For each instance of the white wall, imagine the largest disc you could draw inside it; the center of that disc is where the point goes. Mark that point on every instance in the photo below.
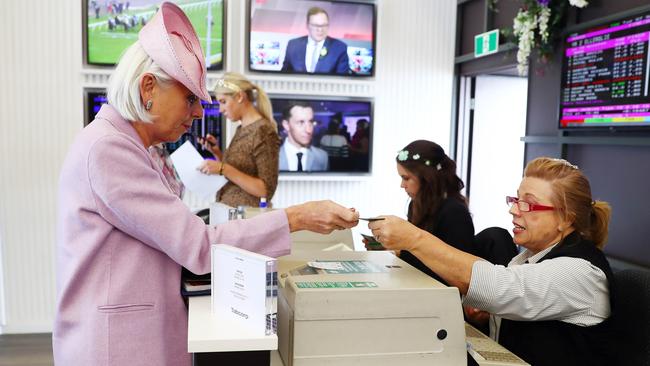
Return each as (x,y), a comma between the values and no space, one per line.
(41,110)
(42,78)
(497,153)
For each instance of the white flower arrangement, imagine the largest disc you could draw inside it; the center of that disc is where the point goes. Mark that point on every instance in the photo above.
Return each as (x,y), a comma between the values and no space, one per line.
(542,23)
(524,29)
(578,3)
(536,25)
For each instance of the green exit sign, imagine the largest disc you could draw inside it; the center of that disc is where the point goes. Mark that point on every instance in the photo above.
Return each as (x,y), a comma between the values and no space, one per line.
(486,43)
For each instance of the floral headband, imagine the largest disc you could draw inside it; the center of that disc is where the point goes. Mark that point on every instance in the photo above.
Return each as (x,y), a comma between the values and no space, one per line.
(403,155)
(221,83)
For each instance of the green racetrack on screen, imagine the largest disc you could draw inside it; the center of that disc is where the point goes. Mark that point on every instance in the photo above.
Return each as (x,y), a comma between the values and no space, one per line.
(112,26)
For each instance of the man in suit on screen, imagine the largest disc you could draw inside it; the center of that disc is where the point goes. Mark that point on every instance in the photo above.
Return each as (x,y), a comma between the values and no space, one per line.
(297,153)
(316,52)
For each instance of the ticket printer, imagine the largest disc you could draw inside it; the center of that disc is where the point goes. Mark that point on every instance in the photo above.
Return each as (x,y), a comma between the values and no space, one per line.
(365,308)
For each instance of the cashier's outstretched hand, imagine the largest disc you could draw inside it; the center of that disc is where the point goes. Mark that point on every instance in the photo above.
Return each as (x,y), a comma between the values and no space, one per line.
(395,233)
(321,217)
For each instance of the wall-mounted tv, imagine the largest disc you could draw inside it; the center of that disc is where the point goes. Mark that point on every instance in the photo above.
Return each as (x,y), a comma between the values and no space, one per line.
(212,122)
(605,71)
(112,26)
(312,37)
(94,98)
(324,135)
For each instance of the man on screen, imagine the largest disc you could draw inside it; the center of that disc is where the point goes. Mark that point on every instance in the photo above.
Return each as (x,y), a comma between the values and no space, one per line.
(316,53)
(296,153)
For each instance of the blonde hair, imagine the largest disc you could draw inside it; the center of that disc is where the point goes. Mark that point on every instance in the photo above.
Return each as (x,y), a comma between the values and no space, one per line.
(232,83)
(123,91)
(572,194)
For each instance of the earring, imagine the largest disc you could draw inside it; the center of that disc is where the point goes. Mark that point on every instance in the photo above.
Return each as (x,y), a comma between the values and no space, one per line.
(148,105)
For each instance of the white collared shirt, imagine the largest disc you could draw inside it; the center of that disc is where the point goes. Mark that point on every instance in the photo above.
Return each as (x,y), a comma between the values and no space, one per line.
(571,290)
(290,152)
(309,52)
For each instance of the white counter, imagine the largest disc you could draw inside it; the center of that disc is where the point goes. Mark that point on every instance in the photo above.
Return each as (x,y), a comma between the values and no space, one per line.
(207,332)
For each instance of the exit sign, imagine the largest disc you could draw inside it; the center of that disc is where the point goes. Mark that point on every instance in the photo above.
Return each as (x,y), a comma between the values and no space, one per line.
(486,43)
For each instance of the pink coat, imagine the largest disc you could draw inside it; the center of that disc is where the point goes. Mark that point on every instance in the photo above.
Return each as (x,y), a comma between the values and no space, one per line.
(122,237)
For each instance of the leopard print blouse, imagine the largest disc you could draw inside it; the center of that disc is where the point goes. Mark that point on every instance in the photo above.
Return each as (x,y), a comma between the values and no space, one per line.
(254,150)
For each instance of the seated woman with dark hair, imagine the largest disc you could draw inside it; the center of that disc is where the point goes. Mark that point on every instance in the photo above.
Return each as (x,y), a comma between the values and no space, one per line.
(437,206)
(551,304)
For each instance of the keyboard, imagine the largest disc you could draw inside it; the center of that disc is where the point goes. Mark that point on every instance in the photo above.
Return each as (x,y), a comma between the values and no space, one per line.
(487,352)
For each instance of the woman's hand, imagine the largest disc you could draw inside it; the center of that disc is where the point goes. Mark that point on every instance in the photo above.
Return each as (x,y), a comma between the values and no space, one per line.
(211,167)
(321,217)
(394,233)
(211,144)
(453,265)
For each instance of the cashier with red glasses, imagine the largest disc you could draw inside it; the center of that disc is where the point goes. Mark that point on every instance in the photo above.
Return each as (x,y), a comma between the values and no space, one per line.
(551,304)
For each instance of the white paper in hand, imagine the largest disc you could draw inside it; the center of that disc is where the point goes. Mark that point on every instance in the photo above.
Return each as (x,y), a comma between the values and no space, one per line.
(186,161)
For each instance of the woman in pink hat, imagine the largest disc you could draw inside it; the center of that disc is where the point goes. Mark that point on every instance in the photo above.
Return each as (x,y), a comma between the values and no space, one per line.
(123,234)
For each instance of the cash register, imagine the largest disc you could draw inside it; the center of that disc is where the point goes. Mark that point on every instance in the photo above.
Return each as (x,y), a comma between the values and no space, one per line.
(365,308)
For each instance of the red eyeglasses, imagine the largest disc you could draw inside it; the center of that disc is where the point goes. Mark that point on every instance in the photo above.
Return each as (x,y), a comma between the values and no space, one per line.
(526,206)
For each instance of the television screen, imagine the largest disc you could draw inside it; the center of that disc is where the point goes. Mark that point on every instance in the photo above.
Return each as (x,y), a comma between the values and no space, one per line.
(94,100)
(605,72)
(211,123)
(324,135)
(307,36)
(112,26)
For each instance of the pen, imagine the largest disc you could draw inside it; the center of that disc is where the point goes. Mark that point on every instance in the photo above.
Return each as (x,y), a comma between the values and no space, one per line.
(195,138)
(208,141)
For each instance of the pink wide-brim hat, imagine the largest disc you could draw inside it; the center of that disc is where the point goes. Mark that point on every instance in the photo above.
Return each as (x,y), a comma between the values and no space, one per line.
(171,41)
